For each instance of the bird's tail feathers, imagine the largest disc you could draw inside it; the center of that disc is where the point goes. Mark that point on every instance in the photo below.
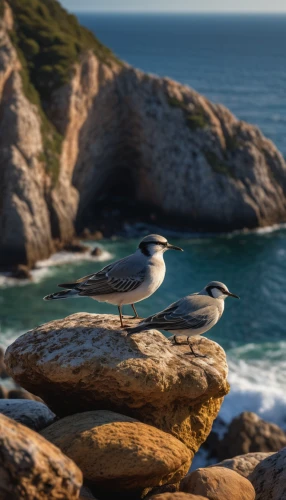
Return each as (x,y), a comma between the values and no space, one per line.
(69,286)
(137,329)
(65,294)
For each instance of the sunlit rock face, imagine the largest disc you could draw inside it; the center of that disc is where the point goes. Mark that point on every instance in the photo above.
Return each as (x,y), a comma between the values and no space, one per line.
(124,134)
(85,362)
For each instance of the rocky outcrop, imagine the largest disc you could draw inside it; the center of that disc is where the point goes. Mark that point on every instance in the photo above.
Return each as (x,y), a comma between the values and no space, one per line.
(217,483)
(86,362)
(244,464)
(117,453)
(33,414)
(33,468)
(123,132)
(250,433)
(269,477)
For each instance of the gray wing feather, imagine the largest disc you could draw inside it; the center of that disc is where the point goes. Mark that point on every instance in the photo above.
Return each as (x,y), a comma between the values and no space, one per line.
(192,312)
(124,275)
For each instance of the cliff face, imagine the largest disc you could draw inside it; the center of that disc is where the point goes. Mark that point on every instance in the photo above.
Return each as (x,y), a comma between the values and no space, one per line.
(161,143)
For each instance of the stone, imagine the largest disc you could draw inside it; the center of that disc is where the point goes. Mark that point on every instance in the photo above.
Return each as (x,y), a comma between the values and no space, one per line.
(86,362)
(22,272)
(33,414)
(96,252)
(118,453)
(177,496)
(76,246)
(249,433)
(218,483)
(244,464)
(33,468)
(269,477)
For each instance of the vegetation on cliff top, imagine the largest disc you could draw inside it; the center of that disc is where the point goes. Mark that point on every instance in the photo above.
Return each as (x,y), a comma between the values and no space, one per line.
(49,41)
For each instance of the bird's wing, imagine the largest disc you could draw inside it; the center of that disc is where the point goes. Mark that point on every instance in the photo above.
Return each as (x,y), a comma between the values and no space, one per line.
(124,275)
(186,314)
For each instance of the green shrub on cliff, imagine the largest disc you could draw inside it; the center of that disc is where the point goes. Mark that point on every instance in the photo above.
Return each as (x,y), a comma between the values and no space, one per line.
(195,119)
(49,41)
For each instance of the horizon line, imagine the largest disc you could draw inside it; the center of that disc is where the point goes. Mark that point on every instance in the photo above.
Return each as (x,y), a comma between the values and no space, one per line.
(202,12)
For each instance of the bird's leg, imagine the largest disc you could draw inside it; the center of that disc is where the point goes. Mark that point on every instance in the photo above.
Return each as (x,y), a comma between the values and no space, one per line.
(193,352)
(174,339)
(135,312)
(120,315)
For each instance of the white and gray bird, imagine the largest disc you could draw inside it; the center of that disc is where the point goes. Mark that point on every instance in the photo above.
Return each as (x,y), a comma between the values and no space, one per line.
(192,315)
(126,281)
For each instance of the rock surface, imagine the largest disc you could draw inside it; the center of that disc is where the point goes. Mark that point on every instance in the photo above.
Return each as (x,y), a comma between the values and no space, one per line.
(33,414)
(269,477)
(217,483)
(249,433)
(244,464)
(117,453)
(33,468)
(183,155)
(177,496)
(86,362)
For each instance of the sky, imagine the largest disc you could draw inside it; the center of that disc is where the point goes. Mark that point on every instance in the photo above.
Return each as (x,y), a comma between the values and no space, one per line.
(176,6)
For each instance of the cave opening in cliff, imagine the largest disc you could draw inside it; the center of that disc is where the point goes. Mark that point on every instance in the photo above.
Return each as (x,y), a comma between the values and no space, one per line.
(113,202)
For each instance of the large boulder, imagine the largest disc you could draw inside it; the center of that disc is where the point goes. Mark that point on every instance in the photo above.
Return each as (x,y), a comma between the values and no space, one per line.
(117,453)
(33,414)
(217,483)
(244,464)
(269,477)
(33,468)
(86,362)
(249,433)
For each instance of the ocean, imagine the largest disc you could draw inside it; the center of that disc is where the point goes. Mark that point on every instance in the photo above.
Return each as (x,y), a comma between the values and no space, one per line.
(240,62)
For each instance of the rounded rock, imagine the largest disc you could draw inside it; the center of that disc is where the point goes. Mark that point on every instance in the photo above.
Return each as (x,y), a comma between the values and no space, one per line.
(269,477)
(217,483)
(118,453)
(244,464)
(249,433)
(31,467)
(33,414)
(86,362)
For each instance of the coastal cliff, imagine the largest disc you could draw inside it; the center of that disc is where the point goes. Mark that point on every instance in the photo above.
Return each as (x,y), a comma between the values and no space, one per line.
(79,126)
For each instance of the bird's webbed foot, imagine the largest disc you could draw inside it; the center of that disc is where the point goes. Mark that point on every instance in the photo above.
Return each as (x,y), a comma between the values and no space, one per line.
(193,353)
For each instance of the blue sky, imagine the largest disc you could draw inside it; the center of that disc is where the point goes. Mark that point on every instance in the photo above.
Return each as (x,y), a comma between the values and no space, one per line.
(176,6)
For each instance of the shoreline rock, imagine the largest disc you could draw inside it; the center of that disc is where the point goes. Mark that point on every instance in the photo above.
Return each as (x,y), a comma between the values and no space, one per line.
(118,453)
(33,468)
(32,414)
(218,483)
(85,362)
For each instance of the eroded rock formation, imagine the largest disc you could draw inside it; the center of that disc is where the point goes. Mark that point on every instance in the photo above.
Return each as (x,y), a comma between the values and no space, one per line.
(128,133)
